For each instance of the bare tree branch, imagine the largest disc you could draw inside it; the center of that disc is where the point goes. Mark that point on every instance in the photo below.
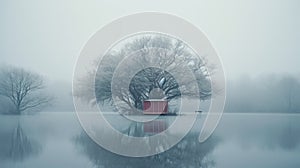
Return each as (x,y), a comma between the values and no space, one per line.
(23,89)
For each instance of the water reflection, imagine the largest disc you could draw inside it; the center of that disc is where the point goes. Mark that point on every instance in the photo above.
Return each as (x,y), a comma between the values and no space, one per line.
(240,140)
(187,153)
(155,126)
(266,131)
(141,129)
(258,140)
(15,145)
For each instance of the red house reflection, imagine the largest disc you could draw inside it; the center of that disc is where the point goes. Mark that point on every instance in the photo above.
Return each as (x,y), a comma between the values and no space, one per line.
(155,126)
(155,106)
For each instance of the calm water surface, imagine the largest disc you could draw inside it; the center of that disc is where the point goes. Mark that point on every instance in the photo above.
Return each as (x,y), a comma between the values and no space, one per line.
(240,140)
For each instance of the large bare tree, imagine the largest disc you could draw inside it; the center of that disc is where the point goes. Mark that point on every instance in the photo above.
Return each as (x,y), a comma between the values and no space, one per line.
(23,88)
(171,55)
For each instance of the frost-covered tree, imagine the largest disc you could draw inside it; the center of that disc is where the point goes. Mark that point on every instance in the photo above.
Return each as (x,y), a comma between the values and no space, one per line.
(165,55)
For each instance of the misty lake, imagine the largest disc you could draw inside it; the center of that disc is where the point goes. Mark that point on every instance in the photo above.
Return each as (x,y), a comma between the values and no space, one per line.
(240,140)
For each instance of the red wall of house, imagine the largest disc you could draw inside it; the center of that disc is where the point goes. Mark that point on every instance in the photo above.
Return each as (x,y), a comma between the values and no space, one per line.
(155,107)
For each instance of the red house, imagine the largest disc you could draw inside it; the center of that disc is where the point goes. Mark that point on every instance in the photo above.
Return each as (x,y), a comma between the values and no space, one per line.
(155,106)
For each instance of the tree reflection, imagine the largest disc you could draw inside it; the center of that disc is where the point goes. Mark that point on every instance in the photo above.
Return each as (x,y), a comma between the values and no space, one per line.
(17,146)
(187,153)
(269,131)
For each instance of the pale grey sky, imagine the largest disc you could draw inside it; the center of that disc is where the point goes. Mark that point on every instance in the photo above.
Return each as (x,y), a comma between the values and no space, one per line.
(251,36)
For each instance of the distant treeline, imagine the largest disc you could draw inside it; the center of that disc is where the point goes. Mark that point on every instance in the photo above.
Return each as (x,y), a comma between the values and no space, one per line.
(268,93)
